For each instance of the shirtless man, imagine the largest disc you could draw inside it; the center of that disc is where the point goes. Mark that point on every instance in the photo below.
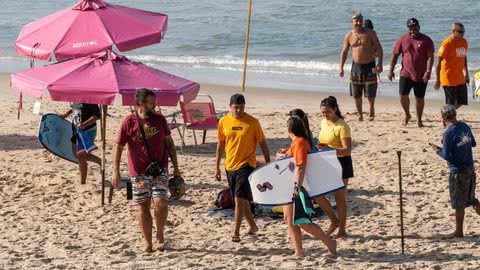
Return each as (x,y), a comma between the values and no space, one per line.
(363,76)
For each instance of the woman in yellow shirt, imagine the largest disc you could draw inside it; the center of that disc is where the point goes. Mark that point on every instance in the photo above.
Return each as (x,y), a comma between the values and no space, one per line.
(335,133)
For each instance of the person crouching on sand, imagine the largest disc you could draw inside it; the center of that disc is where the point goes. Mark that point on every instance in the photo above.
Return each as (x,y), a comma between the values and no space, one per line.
(458,141)
(299,150)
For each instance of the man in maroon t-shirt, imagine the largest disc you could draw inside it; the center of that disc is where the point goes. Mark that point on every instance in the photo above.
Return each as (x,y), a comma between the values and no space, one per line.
(417,60)
(161,147)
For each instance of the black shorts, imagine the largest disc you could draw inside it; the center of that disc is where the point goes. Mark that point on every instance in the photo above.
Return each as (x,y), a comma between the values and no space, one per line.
(456,95)
(347,167)
(238,182)
(406,85)
(363,80)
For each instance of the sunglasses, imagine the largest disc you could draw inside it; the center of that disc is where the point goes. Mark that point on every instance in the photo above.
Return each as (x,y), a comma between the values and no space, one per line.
(263,187)
(458,31)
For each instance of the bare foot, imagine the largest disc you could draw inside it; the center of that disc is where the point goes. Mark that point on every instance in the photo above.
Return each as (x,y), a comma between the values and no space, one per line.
(341,234)
(148,249)
(453,235)
(332,228)
(253,231)
(300,254)
(476,206)
(371,115)
(333,248)
(161,246)
(360,118)
(420,124)
(236,238)
(407,118)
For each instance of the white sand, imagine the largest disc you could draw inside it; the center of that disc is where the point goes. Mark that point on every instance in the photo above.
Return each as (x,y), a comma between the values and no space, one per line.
(48,220)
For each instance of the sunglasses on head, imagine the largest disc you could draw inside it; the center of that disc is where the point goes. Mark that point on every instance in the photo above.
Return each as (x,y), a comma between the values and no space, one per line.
(458,31)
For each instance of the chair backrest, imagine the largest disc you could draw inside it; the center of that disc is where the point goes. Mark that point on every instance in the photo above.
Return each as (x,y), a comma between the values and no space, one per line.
(198,112)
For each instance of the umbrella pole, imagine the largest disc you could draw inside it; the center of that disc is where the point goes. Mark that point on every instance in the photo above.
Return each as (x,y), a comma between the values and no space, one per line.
(247,36)
(103,133)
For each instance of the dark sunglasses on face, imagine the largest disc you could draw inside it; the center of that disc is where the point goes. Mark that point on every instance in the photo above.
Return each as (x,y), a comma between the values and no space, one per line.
(458,31)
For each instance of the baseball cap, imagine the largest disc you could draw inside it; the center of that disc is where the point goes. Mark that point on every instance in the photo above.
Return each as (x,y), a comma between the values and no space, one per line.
(357,16)
(237,99)
(412,22)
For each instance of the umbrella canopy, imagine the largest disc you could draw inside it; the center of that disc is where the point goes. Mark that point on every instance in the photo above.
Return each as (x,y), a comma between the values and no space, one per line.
(88,27)
(98,78)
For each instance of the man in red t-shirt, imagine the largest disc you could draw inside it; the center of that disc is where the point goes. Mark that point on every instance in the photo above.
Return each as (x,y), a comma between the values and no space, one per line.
(161,146)
(417,60)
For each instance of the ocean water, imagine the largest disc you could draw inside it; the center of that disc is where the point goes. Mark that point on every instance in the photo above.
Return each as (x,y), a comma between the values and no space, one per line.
(293,44)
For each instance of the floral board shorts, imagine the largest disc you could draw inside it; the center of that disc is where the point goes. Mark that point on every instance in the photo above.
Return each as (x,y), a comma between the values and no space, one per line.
(145,188)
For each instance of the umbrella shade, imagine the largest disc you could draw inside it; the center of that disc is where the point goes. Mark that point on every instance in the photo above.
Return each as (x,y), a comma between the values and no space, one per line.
(88,27)
(98,78)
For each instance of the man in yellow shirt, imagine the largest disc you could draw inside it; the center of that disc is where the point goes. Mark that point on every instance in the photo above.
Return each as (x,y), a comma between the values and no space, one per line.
(452,68)
(238,134)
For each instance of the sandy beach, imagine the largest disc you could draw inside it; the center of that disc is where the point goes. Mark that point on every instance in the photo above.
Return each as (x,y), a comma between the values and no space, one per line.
(49,221)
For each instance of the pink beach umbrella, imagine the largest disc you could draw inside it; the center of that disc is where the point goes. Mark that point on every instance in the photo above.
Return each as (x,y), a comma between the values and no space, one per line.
(98,78)
(88,27)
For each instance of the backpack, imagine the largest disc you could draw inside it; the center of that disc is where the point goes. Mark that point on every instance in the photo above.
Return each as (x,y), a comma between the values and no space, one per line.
(224,199)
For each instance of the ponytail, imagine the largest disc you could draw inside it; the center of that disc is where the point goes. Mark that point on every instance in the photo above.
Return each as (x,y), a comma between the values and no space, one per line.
(331,102)
(295,126)
(304,117)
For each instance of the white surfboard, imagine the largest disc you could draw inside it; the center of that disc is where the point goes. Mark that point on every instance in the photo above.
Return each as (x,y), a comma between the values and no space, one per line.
(273,184)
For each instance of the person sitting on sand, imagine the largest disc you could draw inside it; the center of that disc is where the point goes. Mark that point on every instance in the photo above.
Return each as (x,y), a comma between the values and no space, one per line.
(335,133)
(457,146)
(238,134)
(363,75)
(299,149)
(417,61)
(152,146)
(84,128)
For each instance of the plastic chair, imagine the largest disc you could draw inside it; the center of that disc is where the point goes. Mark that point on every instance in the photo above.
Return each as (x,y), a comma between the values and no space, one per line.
(199,116)
(173,124)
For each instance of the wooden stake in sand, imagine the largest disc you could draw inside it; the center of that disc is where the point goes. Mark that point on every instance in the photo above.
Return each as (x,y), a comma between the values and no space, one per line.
(247,36)
(103,124)
(399,154)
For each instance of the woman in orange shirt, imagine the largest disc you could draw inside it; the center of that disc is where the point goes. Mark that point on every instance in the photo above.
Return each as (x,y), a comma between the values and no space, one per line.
(299,150)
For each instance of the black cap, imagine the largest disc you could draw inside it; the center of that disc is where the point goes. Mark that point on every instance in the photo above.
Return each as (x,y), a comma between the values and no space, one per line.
(412,22)
(237,99)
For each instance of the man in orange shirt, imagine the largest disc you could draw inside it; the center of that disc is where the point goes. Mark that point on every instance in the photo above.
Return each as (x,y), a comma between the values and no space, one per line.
(238,134)
(452,68)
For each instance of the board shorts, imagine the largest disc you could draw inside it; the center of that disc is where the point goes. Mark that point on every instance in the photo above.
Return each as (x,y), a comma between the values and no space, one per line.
(363,80)
(145,188)
(239,184)
(84,139)
(456,95)
(406,85)
(347,167)
(461,185)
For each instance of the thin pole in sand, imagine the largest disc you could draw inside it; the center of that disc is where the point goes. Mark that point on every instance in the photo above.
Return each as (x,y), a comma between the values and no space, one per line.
(399,154)
(247,36)
(103,124)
